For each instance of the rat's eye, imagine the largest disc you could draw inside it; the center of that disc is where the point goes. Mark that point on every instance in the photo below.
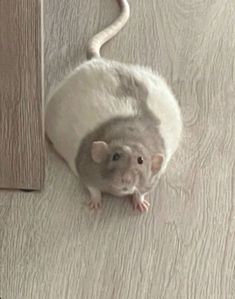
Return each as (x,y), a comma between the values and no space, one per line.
(116,157)
(140,160)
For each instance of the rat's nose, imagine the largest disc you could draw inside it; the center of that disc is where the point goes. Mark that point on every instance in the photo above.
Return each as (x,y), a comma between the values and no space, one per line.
(126,179)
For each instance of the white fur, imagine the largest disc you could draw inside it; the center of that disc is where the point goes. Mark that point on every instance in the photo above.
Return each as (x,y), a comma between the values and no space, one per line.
(80,104)
(97,41)
(86,99)
(163,103)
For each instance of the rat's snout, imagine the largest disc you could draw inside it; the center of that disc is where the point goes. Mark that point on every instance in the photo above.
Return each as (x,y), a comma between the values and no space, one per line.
(127,179)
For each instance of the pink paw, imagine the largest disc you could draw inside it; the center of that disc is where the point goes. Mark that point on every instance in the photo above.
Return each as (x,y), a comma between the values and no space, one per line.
(95,204)
(141,206)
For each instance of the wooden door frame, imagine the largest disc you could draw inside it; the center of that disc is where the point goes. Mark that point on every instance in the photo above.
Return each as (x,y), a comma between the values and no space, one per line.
(22,141)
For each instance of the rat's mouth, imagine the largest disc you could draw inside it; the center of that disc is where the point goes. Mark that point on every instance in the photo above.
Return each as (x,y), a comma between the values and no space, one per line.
(129,190)
(122,190)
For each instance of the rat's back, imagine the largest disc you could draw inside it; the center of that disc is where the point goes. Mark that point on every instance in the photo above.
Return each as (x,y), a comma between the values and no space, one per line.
(101,90)
(82,102)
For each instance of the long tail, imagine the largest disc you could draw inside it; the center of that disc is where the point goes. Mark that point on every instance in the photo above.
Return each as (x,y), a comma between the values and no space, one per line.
(97,41)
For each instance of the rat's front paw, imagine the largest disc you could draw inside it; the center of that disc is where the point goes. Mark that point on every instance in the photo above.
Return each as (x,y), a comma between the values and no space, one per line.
(94,204)
(141,205)
(95,201)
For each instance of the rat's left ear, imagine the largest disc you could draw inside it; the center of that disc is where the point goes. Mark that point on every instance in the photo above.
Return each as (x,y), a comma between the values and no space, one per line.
(99,151)
(157,162)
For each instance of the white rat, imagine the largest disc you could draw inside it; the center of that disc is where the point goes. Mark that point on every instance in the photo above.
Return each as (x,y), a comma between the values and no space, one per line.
(116,125)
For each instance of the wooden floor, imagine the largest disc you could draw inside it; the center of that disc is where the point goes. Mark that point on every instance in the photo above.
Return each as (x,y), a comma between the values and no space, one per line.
(52,247)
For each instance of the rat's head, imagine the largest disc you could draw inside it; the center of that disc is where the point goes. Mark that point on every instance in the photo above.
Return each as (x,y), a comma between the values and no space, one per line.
(124,168)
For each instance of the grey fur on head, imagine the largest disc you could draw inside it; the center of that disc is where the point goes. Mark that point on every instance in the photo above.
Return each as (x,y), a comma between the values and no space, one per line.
(132,139)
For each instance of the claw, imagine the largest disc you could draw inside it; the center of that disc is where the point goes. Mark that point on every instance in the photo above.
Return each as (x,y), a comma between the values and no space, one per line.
(95,201)
(95,205)
(144,206)
(141,206)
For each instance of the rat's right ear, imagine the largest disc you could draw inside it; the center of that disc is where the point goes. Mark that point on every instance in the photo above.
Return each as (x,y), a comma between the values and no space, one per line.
(99,151)
(157,161)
